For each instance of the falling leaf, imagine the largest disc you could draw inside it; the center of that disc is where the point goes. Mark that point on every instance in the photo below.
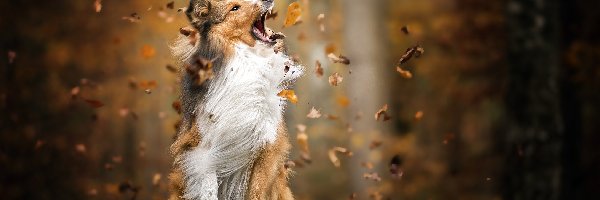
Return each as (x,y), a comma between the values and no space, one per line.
(353,196)
(148,51)
(374,144)
(148,91)
(11,57)
(321,21)
(313,113)
(92,192)
(395,164)
(367,165)
(290,95)
(94,103)
(376,195)
(343,101)
(301,128)
(39,144)
(410,52)
(418,115)
(80,148)
(335,79)
(117,159)
(404,29)
(333,157)
(294,14)
(176,105)
(171,5)
(75,92)
(318,69)
(382,114)
(133,18)
(289,164)
(98,5)
(330,48)
(332,117)
(404,73)
(372,176)
(338,59)
(145,84)
(302,139)
(272,15)
(201,70)
(156,179)
(171,68)
(123,112)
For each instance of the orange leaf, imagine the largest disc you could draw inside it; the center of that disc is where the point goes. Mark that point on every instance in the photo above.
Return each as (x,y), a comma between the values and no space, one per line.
(148,51)
(294,13)
(290,95)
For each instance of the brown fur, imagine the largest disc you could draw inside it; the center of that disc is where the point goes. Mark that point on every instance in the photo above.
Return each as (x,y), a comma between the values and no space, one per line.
(217,31)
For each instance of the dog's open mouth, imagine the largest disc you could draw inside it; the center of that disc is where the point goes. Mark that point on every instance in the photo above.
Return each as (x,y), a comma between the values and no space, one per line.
(260,30)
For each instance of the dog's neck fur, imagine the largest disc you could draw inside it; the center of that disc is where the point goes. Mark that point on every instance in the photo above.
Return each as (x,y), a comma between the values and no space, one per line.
(237,114)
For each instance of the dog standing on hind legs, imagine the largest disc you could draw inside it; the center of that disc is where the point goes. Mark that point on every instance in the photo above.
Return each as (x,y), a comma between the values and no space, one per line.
(232,142)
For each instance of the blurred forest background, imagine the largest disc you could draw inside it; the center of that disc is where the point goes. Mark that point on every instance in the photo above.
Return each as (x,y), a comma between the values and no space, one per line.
(503,103)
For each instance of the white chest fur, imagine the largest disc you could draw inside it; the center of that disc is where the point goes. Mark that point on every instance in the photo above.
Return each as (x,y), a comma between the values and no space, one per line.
(239,115)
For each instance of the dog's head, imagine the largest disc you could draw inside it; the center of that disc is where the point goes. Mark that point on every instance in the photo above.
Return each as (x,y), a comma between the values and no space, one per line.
(231,20)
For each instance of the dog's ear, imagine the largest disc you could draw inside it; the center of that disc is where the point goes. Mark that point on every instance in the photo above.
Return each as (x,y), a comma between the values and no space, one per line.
(205,12)
(197,12)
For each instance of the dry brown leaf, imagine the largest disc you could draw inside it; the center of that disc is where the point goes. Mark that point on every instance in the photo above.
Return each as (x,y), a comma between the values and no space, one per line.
(404,73)
(330,48)
(382,114)
(374,144)
(418,115)
(416,51)
(318,69)
(94,103)
(335,79)
(39,144)
(176,105)
(98,5)
(171,5)
(321,21)
(156,179)
(343,101)
(11,57)
(294,14)
(80,148)
(147,84)
(332,117)
(301,128)
(367,165)
(290,95)
(75,92)
(333,157)
(338,59)
(148,51)
(302,140)
(404,29)
(190,33)
(171,68)
(133,18)
(201,70)
(395,164)
(372,176)
(313,113)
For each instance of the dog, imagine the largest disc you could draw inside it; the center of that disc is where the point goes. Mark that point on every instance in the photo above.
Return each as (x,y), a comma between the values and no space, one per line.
(232,142)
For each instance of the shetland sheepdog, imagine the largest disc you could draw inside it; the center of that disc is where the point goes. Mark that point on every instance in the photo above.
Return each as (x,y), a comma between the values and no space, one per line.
(232,142)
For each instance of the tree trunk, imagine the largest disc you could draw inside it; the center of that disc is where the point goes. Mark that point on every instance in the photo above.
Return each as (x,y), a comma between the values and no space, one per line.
(535,131)
(365,85)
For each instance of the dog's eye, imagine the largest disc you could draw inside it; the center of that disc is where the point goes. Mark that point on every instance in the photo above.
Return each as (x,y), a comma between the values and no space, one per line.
(236,7)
